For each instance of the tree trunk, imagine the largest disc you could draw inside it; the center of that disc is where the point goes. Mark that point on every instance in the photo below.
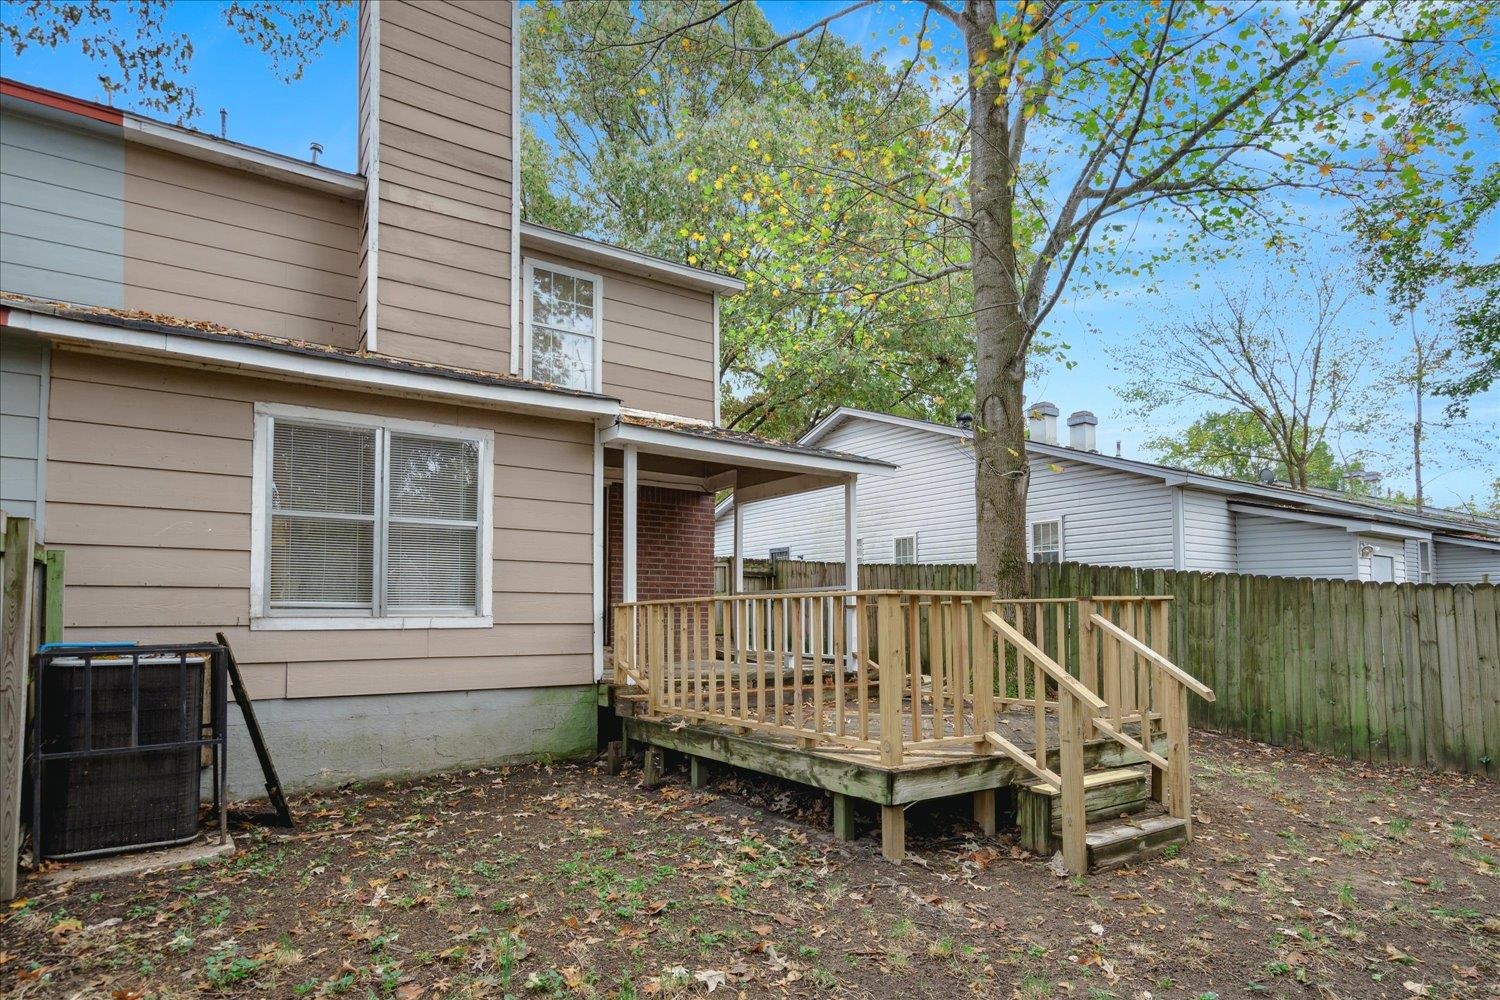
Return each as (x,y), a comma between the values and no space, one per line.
(1001,472)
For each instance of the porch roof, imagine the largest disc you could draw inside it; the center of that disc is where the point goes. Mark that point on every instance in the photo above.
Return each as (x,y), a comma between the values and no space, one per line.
(658,434)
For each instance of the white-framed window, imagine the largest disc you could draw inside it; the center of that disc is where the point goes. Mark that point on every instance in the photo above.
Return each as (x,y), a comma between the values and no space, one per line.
(780,553)
(1046,541)
(564,326)
(369,522)
(1424,561)
(905,547)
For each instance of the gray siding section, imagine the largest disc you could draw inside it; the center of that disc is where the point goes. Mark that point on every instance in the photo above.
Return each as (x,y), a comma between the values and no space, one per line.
(1208,533)
(24,364)
(1268,546)
(1466,564)
(1109,518)
(61,212)
(1396,548)
(931,496)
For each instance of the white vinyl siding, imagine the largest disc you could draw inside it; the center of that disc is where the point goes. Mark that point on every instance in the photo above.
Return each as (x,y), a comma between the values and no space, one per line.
(932,492)
(1111,518)
(1207,533)
(1388,548)
(1466,563)
(24,365)
(1274,547)
(371,521)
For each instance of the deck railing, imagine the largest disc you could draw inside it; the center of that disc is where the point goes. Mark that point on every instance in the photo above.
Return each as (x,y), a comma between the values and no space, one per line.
(899,674)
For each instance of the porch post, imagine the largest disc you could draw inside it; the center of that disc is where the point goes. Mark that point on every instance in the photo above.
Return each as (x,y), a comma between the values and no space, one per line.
(737,585)
(851,568)
(631,491)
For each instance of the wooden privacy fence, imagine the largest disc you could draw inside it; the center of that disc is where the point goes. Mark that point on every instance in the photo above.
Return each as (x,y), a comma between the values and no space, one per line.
(1408,673)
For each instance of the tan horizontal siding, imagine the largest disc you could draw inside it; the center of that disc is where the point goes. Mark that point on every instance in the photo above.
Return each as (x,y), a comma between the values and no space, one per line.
(658,342)
(150,495)
(446,182)
(202,242)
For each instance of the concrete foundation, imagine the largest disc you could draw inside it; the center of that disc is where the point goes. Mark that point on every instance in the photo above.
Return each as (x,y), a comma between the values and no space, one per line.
(322,742)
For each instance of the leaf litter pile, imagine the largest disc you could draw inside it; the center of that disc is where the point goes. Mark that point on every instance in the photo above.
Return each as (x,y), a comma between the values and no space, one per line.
(1308,877)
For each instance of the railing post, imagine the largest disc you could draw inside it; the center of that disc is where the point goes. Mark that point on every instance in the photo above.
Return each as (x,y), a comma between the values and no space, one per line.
(1070,794)
(1179,780)
(1088,660)
(892,675)
(981,647)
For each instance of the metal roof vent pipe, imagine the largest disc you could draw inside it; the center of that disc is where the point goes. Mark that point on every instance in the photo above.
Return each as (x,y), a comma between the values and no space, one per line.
(1081,427)
(316,148)
(1043,423)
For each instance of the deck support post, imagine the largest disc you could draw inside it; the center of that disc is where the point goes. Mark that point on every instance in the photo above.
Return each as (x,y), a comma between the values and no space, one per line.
(1070,802)
(652,768)
(843,817)
(1034,821)
(697,772)
(892,678)
(893,832)
(1179,780)
(614,757)
(984,810)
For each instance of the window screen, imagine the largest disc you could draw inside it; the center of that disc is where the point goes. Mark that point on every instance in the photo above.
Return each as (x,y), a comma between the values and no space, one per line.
(322,516)
(338,542)
(1046,541)
(563,328)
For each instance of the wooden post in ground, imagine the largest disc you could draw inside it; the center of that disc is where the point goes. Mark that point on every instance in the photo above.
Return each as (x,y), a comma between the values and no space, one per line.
(984,810)
(1179,779)
(892,678)
(843,817)
(893,832)
(1070,769)
(15,605)
(698,772)
(652,768)
(52,606)
(614,757)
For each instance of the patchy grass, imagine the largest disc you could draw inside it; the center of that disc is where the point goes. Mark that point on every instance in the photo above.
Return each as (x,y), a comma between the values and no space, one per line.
(1307,877)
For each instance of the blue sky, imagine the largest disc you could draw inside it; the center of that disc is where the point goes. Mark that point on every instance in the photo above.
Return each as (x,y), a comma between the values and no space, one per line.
(320,107)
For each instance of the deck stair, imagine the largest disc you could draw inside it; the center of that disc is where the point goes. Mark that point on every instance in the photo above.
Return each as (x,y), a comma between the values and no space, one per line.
(1116,834)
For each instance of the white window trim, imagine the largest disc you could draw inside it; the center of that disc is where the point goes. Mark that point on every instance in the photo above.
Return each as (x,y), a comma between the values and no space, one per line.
(1031,537)
(915,551)
(260,522)
(530,268)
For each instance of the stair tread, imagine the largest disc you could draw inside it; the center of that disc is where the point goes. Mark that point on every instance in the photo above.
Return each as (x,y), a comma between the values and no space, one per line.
(1117,833)
(1096,779)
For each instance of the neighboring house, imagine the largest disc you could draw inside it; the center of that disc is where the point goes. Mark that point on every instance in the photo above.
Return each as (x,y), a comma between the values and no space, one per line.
(1091,508)
(402,450)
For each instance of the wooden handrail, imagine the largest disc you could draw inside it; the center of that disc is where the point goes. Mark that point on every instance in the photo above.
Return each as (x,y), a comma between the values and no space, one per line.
(1171,669)
(1064,679)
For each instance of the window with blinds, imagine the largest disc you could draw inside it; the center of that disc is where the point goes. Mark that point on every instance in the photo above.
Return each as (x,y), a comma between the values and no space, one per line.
(562,321)
(373,521)
(905,549)
(1046,541)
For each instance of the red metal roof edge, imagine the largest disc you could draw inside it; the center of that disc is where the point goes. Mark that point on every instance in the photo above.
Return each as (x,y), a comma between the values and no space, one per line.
(61,102)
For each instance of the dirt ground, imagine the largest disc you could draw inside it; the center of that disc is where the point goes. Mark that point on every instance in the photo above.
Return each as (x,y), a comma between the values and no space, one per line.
(1308,877)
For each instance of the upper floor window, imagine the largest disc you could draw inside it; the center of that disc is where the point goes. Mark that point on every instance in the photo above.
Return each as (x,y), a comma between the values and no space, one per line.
(1046,541)
(564,313)
(366,522)
(906,549)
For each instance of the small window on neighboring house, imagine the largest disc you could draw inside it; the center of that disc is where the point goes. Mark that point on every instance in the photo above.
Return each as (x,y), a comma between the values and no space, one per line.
(372,519)
(1046,541)
(563,316)
(779,554)
(859,550)
(906,549)
(1424,561)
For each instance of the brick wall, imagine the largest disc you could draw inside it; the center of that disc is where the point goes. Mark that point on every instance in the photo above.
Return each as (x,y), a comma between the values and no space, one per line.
(674,544)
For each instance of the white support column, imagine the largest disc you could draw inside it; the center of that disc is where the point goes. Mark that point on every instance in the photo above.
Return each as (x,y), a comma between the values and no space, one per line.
(851,566)
(600,583)
(738,583)
(630,489)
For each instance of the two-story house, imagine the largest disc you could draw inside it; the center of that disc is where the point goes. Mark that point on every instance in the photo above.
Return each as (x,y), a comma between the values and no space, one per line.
(1087,507)
(402,447)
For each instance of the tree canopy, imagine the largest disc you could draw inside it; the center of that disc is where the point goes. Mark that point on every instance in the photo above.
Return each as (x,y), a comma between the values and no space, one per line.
(1234,444)
(669,144)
